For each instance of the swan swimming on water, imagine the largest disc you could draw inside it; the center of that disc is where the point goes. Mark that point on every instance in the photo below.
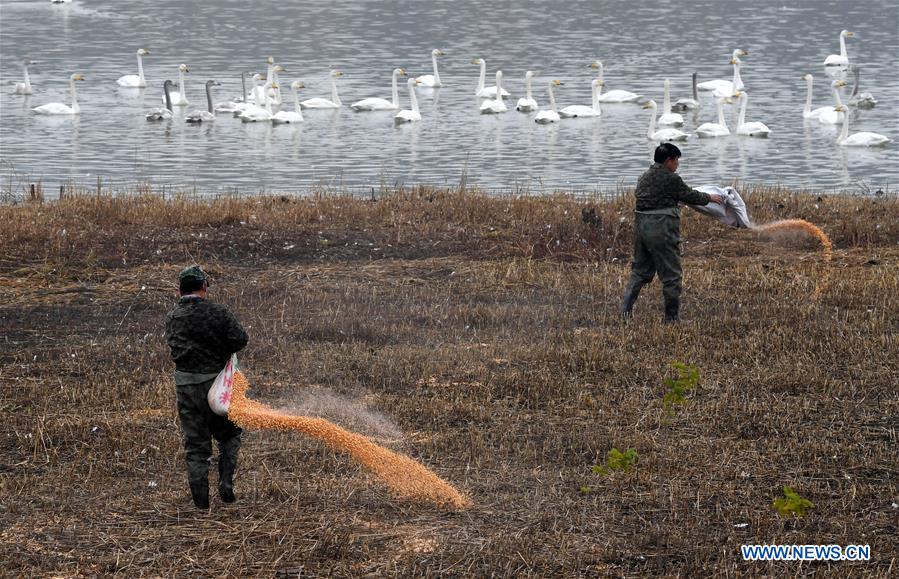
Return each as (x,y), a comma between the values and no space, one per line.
(719,129)
(254,113)
(294,116)
(662,134)
(25,87)
(550,115)
(862,139)
(582,111)
(378,104)
(135,80)
(527,104)
(236,103)
(323,103)
(735,85)
(199,116)
(841,59)
(751,129)
(165,113)
(834,115)
(667,117)
(688,104)
(482,91)
(59,108)
(179,99)
(864,100)
(431,80)
(613,96)
(807,111)
(725,85)
(405,115)
(495,105)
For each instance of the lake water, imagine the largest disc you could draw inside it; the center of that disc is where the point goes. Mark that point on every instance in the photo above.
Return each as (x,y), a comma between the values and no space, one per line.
(640,44)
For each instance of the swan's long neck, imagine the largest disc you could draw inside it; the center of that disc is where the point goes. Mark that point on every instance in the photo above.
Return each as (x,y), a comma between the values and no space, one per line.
(843,47)
(140,69)
(741,120)
(335,98)
(695,89)
(168,97)
(243,84)
(738,81)
(855,88)
(552,98)
(268,101)
(596,97)
(666,103)
(527,84)
(721,121)
(483,78)
(296,104)
(652,122)
(181,83)
(209,99)
(394,91)
(844,133)
(414,100)
(808,95)
(75,106)
(599,72)
(836,97)
(28,79)
(434,63)
(499,88)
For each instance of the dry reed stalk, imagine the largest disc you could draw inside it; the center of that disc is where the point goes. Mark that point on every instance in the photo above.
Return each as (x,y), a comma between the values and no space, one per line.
(405,476)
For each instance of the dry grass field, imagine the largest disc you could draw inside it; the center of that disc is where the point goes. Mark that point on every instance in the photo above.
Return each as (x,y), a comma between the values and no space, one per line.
(478,335)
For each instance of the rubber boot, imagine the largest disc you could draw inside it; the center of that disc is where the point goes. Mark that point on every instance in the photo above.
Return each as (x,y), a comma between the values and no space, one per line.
(227,465)
(672,310)
(630,298)
(199,490)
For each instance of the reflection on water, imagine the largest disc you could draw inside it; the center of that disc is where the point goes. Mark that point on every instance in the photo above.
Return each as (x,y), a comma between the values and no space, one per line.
(639,43)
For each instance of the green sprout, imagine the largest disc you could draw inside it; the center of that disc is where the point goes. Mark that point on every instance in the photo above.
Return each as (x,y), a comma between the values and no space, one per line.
(792,504)
(687,379)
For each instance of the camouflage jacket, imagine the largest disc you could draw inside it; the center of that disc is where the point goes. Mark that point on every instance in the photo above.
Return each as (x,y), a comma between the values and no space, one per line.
(659,188)
(202,335)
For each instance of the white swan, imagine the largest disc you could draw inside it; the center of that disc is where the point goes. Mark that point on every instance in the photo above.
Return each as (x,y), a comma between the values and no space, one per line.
(495,106)
(135,80)
(864,100)
(165,113)
(550,115)
(753,129)
(579,111)
(807,111)
(255,113)
(323,103)
(59,108)
(613,96)
(527,104)
(236,103)
(208,115)
(841,59)
(862,139)
(482,91)
(667,117)
(719,129)
(736,84)
(834,115)
(724,84)
(688,104)
(662,134)
(431,80)
(179,98)
(294,116)
(405,115)
(25,87)
(377,104)
(272,73)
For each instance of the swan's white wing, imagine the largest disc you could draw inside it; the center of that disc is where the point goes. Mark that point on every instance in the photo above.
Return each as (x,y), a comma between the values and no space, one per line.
(546,117)
(715,85)
(526,105)
(574,111)
(54,109)
(199,117)
(490,92)
(373,104)
(753,129)
(319,103)
(286,117)
(836,60)
(671,119)
(426,80)
(669,135)
(406,116)
(131,81)
(618,96)
(177,99)
(711,130)
(865,139)
(159,114)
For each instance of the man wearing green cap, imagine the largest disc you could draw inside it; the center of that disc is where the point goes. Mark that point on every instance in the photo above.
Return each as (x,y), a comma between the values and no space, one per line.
(202,336)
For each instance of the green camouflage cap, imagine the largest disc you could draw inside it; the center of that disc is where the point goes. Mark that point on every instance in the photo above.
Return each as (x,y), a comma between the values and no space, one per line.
(192,273)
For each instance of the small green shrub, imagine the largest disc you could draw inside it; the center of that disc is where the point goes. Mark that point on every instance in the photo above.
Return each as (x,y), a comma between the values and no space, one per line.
(792,504)
(687,379)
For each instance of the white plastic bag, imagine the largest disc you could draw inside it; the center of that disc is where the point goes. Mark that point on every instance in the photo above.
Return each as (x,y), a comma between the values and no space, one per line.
(219,396)
(732,212)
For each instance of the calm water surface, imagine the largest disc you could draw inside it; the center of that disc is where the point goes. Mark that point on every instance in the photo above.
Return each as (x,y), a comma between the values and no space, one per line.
(640,44)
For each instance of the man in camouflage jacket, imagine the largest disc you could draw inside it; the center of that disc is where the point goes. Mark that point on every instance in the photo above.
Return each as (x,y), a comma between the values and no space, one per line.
(657,230)
(202,336)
